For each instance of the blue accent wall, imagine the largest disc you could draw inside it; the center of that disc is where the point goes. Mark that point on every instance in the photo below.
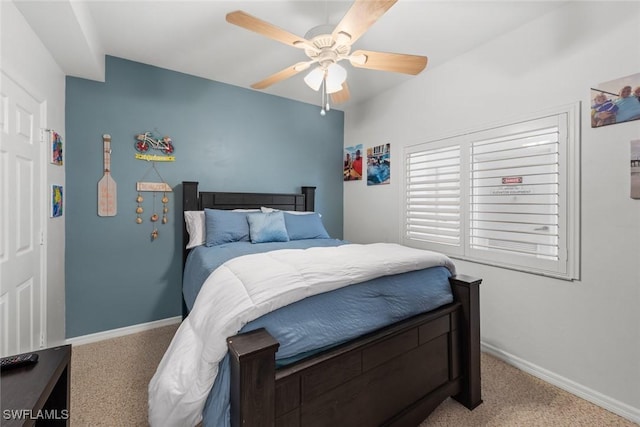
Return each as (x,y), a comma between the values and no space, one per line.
(226,137)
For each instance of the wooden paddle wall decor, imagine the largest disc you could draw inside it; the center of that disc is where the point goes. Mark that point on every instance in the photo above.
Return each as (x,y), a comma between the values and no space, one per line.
(107,188)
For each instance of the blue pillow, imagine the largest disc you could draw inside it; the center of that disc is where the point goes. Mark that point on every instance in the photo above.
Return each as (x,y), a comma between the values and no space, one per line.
(267,227)
(308,226)
(225,227)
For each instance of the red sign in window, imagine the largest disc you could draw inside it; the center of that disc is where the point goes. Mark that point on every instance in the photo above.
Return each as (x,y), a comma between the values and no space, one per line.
(512,180)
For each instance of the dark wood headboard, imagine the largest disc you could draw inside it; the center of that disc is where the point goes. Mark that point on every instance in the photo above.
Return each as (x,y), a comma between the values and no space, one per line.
(194,200)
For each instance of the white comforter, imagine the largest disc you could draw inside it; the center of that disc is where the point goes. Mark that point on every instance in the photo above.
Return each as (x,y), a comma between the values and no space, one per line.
(248,287)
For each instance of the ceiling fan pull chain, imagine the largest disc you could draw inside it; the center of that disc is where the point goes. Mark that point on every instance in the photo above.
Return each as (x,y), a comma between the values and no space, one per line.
(323,112)
(325,101)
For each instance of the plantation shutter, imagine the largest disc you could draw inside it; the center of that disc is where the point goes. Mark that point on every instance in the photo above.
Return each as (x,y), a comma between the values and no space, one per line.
(506,196)
(433,197)
(515,195)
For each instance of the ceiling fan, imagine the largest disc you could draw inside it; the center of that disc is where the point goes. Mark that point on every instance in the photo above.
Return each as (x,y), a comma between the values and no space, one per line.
(326,46)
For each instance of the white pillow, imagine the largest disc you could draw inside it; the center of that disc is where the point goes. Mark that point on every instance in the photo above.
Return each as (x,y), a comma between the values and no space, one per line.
(197,229)
(265,209)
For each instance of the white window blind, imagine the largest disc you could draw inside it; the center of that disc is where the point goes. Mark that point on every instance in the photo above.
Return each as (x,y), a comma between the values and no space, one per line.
(433,196)
(498,196)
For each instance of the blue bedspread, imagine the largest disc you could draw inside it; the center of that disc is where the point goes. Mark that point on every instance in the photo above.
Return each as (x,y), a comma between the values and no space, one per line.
(331,318)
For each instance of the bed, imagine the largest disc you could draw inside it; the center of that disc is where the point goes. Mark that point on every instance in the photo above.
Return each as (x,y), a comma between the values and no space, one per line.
(394,375)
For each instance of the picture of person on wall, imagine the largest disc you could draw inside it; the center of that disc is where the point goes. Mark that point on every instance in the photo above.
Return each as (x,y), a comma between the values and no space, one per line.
(603,111)
(628,106)
(616,101)
(352,169)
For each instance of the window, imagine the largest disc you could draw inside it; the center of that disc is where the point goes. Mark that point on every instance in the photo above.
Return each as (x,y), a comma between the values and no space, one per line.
(505,196)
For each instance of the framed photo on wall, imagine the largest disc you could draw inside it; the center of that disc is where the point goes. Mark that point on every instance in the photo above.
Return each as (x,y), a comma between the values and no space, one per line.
(379,164)
(616,101)
(352,168)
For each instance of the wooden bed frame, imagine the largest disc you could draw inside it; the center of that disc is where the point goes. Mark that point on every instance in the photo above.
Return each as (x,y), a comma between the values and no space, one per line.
(395,376)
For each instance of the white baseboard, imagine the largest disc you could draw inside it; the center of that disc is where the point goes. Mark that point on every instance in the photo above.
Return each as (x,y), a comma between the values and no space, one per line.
(597,398)
(120,332)
(606,402)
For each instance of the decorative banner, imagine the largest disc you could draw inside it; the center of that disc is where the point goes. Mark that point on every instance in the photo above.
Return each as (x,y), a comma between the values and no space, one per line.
(56,148)
(153,186)
(56,201)
(352,169)
(155,158)
(379,164)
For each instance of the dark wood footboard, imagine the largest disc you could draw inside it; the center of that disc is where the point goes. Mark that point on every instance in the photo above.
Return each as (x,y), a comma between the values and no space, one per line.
(393,377)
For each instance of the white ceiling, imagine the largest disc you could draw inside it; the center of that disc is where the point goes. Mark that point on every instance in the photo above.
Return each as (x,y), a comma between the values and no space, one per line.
(193,37)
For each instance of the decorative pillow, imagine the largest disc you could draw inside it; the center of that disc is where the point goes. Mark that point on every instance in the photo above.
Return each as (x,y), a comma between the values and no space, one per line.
(194,221)
(267,210)
(305,226)
(225,226)
(267,227)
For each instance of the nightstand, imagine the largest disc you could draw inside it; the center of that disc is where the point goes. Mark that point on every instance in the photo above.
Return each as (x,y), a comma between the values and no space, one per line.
(38,394)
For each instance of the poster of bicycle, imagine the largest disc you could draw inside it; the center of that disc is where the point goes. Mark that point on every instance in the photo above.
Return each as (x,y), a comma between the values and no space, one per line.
(616,101)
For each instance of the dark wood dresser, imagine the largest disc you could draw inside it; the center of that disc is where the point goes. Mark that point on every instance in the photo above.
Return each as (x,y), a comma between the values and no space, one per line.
(38,394)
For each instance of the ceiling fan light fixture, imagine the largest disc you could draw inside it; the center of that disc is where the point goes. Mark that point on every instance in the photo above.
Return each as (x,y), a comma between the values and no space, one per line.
(336,75)
(314,78)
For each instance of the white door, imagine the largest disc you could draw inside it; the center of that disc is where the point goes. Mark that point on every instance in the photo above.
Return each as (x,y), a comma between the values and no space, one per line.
(21,219)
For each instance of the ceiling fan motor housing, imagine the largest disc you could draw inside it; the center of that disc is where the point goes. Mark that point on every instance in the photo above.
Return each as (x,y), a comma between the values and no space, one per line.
(329,51)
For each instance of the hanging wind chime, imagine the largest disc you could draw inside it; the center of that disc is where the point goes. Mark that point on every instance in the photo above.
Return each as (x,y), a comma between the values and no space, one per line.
(155,188)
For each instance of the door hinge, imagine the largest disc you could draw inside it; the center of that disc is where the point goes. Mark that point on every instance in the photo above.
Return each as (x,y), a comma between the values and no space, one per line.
(41,340)
(42,238)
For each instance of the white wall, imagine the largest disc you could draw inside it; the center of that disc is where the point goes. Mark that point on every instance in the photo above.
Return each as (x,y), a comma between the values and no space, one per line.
(27,61)
(582,335)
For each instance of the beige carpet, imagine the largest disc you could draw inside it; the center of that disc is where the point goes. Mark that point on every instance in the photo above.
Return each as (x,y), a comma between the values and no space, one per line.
(109,388)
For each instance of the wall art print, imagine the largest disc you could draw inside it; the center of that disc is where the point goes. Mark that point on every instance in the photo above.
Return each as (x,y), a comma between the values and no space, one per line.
(379,164)
(352,169)
(56,200)
(616,101)
(146,141)
(56,148)
(635,169)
